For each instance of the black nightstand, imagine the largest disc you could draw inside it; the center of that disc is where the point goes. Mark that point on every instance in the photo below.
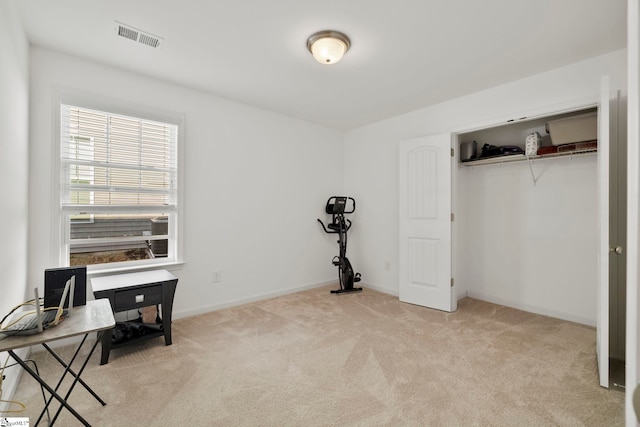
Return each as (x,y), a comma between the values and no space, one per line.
(132,291)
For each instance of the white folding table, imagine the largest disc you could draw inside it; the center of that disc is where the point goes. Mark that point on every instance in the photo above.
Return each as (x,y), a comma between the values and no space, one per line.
(94,317)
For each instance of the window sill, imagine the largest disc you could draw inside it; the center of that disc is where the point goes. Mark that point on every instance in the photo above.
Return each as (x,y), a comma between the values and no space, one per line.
(105,271)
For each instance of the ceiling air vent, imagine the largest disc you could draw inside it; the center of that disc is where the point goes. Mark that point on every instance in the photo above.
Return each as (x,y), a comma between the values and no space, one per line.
(128,32)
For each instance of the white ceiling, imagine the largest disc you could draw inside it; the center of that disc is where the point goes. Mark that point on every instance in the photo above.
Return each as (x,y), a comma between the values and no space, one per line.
(405,54)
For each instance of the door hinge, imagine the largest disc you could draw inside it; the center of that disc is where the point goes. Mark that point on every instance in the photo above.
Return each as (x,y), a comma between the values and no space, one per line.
(452,217)
(452,282)
(452,151)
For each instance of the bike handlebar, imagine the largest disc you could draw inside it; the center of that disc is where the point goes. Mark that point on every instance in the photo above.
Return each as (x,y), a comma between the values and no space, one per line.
(335,231)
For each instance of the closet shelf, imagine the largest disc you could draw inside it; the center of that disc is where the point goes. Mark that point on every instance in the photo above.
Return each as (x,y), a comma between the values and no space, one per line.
(522,157)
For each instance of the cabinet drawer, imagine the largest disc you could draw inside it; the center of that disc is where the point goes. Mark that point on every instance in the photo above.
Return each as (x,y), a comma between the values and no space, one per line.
(139,297)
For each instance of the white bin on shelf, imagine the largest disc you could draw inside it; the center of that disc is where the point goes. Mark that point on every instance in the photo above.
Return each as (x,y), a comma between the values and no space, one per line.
(583,127)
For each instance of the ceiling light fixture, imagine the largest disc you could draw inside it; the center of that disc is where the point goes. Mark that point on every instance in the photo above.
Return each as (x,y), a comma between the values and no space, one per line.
(328,46)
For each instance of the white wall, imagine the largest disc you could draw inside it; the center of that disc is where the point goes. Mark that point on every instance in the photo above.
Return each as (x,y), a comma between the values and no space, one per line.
(371,175)
(531,246)
(14,98)
(254,184)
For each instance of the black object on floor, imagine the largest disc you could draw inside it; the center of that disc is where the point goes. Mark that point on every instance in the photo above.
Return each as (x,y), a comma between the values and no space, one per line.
(337,208)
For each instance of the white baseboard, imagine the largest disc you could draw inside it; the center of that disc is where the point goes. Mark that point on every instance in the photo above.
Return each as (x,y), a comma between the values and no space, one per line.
(254,298)
(532,308)
(387,291)
(396,293)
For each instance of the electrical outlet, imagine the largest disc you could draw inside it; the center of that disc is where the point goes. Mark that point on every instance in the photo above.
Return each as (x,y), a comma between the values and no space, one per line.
(217,276)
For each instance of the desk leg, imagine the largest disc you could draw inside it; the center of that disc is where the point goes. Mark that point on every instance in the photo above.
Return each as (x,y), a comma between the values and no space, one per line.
(77,378)
(166,319)
(59,398)
(106,346)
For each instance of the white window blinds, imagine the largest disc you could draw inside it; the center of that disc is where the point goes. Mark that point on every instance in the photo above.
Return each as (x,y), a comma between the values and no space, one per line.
(116,163)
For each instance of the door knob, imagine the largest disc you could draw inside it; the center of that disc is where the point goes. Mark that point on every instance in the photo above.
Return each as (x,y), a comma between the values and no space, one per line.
(617,249)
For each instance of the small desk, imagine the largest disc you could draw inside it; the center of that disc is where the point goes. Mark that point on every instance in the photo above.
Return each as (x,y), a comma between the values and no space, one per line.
(135,290)
(96,316)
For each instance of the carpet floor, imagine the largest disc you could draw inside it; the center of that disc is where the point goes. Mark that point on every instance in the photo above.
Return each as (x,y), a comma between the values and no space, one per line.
(316,359)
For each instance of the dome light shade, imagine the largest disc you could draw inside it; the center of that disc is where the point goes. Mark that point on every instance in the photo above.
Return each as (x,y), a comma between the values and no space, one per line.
(328,47)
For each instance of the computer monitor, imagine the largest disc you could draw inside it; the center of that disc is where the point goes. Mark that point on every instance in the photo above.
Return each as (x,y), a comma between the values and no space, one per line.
(55,280)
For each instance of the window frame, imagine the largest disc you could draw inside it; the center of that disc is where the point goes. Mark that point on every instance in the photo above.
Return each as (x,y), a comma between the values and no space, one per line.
(61,220)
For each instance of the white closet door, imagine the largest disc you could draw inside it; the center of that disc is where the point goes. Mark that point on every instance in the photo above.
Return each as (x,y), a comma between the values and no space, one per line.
(425,222)
(603,234)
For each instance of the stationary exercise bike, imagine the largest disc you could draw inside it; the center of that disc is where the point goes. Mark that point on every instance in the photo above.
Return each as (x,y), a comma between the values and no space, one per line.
(336,207)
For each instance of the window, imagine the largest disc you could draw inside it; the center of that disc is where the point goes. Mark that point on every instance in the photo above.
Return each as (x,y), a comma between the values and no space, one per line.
(118,188)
